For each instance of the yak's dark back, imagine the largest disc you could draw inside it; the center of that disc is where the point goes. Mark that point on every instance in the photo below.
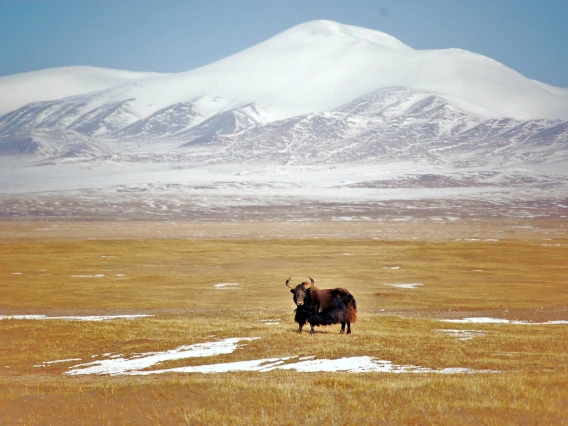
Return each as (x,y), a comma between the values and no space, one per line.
(342,298)
(343,309)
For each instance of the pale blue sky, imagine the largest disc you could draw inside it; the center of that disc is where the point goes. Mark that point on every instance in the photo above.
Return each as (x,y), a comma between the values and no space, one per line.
(530,36)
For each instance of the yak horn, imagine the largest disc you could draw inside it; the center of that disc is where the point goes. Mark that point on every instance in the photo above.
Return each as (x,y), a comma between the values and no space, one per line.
(287,281)
(309,285)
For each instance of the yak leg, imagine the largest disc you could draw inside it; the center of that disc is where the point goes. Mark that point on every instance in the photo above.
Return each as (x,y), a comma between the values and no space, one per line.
(312,329)
(342,327)
(348,327)
(300,327)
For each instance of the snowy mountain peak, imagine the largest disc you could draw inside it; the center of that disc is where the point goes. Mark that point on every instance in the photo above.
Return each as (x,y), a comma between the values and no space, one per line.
(331,29)
(315,66)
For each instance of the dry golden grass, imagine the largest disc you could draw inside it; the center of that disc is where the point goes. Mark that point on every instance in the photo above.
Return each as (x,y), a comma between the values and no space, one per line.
(173,279)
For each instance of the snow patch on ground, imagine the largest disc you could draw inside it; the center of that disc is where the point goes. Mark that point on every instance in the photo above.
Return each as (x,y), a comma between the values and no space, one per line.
(141,361)
(59,361)
(138,364)
(72,318)
(360,364)
(462,334)
(487,320)
(227,286)
(88,276)
(410,285)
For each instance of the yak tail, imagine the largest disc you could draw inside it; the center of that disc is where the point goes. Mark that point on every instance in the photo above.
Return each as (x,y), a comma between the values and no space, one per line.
(351,309)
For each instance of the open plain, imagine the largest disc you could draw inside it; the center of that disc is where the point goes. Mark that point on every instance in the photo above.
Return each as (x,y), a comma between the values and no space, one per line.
(209,336)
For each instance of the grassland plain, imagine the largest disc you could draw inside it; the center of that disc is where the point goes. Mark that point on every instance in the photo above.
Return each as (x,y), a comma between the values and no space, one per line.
(515,271)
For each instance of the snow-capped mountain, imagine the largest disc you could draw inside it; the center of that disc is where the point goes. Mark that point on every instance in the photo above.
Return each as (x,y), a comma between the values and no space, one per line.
(97,116)
(320,92)
(57,83)
(393,124)
(177,118)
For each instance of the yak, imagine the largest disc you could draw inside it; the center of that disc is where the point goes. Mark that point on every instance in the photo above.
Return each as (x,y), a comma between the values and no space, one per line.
(323,307)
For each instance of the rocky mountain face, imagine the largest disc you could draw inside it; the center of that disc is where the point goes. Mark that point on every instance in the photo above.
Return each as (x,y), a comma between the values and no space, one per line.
(390,124)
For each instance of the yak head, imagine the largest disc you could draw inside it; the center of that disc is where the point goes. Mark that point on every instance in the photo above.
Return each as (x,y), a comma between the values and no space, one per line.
(301,291)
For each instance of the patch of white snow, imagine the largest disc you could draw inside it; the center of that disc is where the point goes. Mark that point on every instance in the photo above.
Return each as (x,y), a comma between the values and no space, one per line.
(410,285)
(487,320)
(72,317)
(226,286)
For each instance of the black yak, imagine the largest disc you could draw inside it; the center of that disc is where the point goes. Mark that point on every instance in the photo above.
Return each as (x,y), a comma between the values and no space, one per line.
(323,307)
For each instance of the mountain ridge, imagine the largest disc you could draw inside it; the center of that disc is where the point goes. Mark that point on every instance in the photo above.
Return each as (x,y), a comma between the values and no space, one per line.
(56,83)
(391,124)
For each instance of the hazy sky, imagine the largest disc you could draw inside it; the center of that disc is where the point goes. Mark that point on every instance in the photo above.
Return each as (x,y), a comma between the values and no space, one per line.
(530,36)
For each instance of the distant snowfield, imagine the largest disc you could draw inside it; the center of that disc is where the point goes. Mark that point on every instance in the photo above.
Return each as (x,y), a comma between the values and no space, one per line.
(322,184)
(73,317)
(138,364)
(336,180)
(178,191)
(345,192)
(260,179)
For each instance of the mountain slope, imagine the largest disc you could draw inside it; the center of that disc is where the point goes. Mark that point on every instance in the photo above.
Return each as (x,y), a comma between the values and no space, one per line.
(230,122)
(176,119)
(95,115)
(20,89)
(389,125)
